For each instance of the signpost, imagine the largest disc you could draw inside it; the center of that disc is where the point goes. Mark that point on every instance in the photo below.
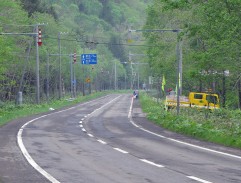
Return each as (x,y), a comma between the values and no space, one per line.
(87,59)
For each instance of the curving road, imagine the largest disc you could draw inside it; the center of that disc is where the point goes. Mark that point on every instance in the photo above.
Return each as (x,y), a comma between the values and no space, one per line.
(109,140)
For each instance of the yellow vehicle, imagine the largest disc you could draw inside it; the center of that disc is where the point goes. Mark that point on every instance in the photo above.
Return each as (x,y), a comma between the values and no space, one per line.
(195,99)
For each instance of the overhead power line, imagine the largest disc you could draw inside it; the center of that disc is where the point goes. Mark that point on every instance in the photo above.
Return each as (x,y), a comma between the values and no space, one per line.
(106,43)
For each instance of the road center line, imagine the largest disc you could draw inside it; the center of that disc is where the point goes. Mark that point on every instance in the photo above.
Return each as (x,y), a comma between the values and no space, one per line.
(24,150)
(198,179)
(90,135)
(152,163)
(120,150)
(101,141)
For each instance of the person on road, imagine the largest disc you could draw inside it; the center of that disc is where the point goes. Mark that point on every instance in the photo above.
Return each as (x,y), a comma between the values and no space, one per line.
(135,94)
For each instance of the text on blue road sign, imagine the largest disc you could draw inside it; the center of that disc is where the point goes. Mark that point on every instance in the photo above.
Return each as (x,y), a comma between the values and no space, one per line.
(89,58)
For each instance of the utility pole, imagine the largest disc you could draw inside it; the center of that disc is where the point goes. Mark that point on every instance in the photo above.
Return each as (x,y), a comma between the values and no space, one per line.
(71,77)
(37,35)
(37,67)
(60,77)
(115,76)
(138,76)
(83,86)
(60,82)
(47,77)
(72,72)
(178,77)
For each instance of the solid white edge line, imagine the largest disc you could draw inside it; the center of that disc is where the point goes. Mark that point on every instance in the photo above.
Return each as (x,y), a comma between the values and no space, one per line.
(206,149)
(152,132)
(178,141)
(120,150)
(101,141)
(152,163)
(198,179)
(31,161)
(130,110)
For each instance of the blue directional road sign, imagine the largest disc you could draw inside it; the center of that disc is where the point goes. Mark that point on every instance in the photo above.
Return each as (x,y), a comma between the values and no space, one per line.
(89,58)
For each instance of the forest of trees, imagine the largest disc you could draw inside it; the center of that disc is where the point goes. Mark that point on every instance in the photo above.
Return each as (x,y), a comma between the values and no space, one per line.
(209,37)
(68,27)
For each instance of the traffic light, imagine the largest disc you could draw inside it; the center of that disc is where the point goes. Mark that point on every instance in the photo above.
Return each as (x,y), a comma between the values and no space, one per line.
(39,37)
(74,57)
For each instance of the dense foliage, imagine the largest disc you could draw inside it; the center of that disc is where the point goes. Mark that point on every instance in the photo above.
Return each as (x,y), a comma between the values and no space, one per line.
(67,26)
(220,126)
(210,37)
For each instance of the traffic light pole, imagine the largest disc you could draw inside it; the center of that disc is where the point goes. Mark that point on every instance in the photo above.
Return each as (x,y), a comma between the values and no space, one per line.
(36,34)
(71,77)
(72,72)
(37,67)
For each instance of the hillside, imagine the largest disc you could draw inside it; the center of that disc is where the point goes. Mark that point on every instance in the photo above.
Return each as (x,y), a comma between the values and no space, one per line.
(67,26)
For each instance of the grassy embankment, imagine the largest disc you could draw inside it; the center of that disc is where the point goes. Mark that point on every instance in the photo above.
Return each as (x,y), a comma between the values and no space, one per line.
(220,126)
(10,112)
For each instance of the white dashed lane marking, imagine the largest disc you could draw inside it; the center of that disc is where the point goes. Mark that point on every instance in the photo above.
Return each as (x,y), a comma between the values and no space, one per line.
(101,141)
(152,163)
(120,150)
(90,135)
(198,179)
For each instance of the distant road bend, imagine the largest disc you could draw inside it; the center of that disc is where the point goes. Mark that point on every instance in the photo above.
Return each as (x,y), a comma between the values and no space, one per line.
(109,140)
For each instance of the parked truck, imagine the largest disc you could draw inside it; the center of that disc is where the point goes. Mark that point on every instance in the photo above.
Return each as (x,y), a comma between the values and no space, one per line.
(195,99)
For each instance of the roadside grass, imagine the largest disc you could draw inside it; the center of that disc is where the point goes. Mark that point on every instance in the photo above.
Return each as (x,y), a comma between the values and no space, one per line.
(9,112)
(220,126)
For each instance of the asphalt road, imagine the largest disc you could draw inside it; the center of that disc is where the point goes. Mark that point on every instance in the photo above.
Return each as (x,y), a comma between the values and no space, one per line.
(108,140)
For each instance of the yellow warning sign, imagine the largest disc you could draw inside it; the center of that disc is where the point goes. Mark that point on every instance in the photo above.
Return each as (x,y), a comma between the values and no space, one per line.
(129,40)
(87,80)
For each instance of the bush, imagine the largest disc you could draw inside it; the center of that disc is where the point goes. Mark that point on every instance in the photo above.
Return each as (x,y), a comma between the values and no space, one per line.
(221,126)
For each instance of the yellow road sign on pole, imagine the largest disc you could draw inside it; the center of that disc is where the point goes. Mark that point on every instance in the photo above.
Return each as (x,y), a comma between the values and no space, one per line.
(87,80)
